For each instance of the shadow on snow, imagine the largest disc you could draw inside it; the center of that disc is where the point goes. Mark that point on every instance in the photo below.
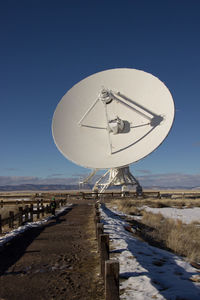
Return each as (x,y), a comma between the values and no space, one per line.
(160,266)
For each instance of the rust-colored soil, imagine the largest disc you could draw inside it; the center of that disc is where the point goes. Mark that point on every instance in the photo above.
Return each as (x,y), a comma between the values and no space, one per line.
(55,261)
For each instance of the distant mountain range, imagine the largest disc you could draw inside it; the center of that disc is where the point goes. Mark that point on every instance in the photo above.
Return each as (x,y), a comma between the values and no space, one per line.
(54,187)
(37,187)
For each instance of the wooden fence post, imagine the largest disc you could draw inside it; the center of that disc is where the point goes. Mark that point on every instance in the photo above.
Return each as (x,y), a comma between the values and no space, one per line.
(104,252)
(38,209)
(112,280)
(31,213)
(0,225)
(96,217)
(97,213)
(99,231)
(20,216)
(42,206)
(42,210)
(11,219)
(96,221)
(26,213)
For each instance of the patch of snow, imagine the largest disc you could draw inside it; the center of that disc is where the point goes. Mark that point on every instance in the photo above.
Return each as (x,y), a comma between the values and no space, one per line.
(147,272)
(186,215)
(22,199)
(9,236)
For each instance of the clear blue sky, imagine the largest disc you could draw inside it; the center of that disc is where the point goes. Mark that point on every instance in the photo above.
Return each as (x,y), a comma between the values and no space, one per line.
(48,46)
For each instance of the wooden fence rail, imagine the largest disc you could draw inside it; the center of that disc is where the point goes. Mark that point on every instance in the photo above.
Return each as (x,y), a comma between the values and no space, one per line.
(45,197)
(109,268)
(26,214)
(25,202)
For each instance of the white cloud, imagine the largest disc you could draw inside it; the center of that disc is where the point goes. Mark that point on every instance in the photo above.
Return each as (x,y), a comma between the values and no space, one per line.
(170,180)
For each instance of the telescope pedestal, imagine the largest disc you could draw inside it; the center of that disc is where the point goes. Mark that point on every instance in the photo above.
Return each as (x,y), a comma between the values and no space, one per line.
(116,177)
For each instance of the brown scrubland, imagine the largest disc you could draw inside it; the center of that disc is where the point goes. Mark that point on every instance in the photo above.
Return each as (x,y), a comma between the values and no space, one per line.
(182,239)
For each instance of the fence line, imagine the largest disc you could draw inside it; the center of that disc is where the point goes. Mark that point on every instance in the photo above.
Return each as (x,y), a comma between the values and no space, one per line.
(45,197)
(109,268)
(26,214)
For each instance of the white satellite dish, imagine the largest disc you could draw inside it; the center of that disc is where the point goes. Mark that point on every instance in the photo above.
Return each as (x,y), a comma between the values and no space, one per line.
(112,119)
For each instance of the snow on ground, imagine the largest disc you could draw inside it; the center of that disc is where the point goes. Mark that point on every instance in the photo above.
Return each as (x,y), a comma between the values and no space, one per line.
(186,215)
(147,272)
(7,237)
(22,199)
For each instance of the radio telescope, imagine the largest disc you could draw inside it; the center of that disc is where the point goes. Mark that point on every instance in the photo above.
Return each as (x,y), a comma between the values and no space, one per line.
(112,119)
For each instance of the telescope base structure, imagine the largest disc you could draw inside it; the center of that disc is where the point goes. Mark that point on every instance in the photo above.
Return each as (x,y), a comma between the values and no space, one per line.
(116,177)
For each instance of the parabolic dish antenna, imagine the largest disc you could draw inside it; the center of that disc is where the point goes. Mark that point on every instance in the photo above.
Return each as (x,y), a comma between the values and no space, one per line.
(112,119)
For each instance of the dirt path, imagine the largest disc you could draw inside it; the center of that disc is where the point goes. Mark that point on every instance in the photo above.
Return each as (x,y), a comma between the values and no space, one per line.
(56,261)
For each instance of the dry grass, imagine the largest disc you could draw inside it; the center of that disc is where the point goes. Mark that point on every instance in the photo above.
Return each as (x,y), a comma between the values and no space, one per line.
(4,211)
(127,204)
(182,239)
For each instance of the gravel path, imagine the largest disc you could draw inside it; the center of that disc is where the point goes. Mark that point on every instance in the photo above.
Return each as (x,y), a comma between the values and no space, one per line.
(55,261)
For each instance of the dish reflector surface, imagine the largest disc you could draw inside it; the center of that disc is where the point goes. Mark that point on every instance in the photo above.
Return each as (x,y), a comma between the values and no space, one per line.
(131,123)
